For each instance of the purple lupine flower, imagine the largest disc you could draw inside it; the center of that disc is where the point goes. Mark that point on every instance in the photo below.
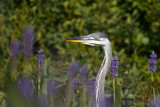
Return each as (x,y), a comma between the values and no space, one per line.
(27,41)
(25,87)
(73,69)
(39,62)
(15,49)
(152,61)
(156,102)
(72,83)
(91,93)
(91,87)
(75,85)
(52,91)
(83,74)
(114,67)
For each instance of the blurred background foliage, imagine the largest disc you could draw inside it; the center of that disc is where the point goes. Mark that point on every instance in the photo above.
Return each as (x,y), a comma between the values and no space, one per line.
(132,26)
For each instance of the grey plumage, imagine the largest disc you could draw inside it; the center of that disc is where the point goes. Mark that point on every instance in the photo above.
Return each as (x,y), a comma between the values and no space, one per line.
(100,79)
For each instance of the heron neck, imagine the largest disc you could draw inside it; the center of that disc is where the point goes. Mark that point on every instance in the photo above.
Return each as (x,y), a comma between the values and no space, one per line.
(100,79)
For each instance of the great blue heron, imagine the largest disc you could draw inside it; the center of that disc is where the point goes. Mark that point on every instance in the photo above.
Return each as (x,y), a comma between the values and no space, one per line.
(98,39)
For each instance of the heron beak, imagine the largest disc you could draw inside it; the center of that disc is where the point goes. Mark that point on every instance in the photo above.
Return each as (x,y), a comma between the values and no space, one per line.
(82,39)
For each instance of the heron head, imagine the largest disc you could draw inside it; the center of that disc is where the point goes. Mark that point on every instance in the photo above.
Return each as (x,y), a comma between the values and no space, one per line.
(94,39)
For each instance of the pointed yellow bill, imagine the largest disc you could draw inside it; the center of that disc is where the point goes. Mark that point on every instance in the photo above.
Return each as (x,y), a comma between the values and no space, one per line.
(76,40)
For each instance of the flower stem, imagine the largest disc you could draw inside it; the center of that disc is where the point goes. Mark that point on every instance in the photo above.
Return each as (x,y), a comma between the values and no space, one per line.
(39,85)
(114,94)
(52,101)
(73,104)
(83,98)
(152,78)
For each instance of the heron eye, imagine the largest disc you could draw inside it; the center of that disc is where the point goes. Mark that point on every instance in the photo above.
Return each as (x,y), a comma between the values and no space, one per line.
(98,37)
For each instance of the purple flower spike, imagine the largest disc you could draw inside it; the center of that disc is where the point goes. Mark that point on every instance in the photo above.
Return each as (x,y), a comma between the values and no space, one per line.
(153,55)
(15,49)
(27,41)
(114,67)
(91,86)
(26,87)
(73,69)
(156,102)
(152,61)
(91,93)
(39,62)
(74,85)
(83,74)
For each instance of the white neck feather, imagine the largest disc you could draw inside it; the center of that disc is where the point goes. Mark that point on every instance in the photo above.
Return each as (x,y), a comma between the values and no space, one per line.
(100,79)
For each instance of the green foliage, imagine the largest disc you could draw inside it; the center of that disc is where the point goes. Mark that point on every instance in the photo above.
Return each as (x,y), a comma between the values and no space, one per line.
(132,26)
